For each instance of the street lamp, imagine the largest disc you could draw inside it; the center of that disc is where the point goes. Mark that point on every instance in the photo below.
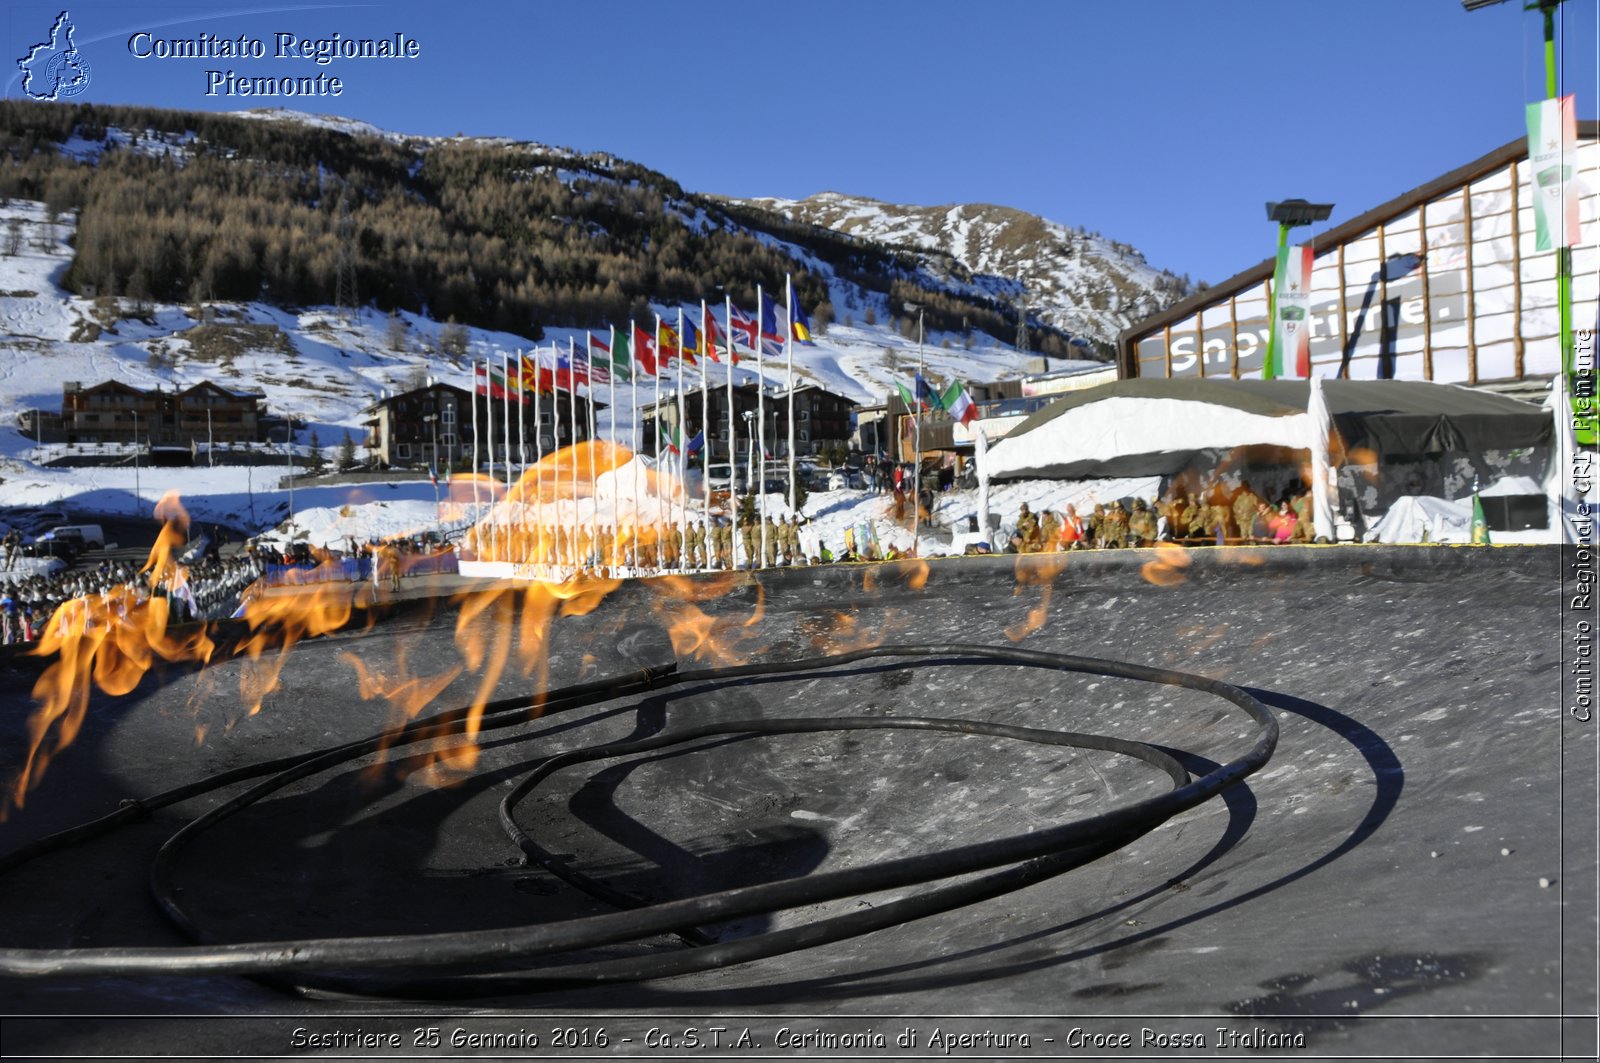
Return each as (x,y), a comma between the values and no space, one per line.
(749,449)
(136,506)
(288,461)
(433,461)
(1288,213)
(749,468)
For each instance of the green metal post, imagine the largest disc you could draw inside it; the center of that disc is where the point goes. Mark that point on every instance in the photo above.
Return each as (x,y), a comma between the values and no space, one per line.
(1269,367)
(1563,253)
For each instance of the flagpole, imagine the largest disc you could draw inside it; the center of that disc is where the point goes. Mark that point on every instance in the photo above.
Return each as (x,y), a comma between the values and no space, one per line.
(616,517)
(538,455)
(633,409)
(705,430)
(505,431)
(760,485)
(522,458)
(661,511)
(683,442)
(788,350)
(733,446)
(572,404)
(594,497)
(475,507)
(488,438)
(916,428)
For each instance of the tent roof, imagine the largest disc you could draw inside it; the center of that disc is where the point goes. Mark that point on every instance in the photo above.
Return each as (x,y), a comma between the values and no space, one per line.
(1165,417)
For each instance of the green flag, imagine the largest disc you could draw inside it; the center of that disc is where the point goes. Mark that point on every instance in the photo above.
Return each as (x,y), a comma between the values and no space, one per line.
(1480,526)
(621,356)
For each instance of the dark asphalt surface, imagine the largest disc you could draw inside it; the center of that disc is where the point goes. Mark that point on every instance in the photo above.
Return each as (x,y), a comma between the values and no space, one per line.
(1414,871)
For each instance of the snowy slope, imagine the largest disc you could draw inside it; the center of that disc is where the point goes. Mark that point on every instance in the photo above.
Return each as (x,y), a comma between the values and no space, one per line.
(1083,283)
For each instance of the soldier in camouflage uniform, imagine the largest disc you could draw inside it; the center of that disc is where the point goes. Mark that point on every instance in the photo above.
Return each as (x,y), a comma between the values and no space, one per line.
(1244,509)
(1116,526)
(1141,524)
(747,539)
(1191,519)
(1027,531)
(1049,531)
(769,554)
(1217,517)
(1095,537)
(1304,529)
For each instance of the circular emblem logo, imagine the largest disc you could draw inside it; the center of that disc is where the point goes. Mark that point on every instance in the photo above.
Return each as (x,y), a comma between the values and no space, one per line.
(67,74)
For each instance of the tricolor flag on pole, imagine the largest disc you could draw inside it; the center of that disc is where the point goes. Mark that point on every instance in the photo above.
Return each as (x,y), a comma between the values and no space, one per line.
(959,403)
(1293,285)
(1552,158)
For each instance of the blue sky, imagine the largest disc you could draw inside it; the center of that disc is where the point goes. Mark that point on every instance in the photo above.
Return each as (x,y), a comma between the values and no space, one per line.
(1163,123)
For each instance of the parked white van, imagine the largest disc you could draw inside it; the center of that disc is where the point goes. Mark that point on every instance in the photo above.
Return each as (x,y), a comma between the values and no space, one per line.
(94,538)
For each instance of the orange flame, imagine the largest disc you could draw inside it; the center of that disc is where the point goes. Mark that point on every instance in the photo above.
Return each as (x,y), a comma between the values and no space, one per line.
(1041,570)
(113,640)
(695,634)
(109,641)
(1166,570)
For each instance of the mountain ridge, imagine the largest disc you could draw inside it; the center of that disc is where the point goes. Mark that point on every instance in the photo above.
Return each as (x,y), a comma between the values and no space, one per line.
(1075,280)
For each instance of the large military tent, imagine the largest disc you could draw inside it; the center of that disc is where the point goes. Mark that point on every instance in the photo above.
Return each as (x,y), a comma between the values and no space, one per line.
(1151,426)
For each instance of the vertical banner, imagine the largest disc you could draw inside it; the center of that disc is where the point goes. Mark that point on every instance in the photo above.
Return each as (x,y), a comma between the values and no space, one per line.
(1552,152)
(1293,285)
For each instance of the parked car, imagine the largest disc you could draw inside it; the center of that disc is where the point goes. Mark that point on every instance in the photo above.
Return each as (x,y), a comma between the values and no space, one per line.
(91,535)
(66,547)
(842,479)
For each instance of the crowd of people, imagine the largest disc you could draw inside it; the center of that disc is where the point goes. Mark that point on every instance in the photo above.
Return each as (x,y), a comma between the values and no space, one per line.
(208,589)
(1214,515)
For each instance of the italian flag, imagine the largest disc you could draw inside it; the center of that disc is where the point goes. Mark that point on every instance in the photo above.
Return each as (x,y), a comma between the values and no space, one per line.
(1552,163)
(959,403)
(1294,309)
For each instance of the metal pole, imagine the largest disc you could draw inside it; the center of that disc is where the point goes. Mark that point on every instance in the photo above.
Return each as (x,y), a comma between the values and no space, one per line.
(733,444)
(475,446)
(538,457)
(761,425)
(788,351)
(916,429)
(288,458)
(611,451)
(1563,253)
(433,425)
(1269,367)
(522,454)
(136,491)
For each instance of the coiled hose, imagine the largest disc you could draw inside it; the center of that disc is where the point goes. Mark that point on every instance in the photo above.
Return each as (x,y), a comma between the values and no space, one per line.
(457,962)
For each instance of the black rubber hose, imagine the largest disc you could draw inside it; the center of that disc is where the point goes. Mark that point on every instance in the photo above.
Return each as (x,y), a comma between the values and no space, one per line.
(439,725)
(476,950)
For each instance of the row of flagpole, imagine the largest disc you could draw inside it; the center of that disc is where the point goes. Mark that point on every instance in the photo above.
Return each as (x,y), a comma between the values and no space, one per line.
(574,373)
(499,528)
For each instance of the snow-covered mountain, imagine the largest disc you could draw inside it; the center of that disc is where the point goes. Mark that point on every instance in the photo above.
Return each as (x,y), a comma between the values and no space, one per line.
(1084,283)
